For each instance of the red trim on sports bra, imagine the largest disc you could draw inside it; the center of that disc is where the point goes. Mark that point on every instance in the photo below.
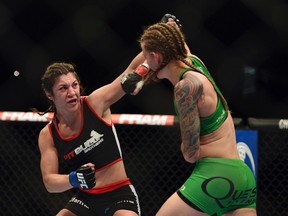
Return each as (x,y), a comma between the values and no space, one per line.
(79,132)
(110,164)
(91,108)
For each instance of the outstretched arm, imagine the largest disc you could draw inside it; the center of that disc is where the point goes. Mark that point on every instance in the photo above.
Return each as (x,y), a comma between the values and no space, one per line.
(101,99)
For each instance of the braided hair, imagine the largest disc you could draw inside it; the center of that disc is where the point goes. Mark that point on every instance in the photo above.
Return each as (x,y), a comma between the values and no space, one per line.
(169,42)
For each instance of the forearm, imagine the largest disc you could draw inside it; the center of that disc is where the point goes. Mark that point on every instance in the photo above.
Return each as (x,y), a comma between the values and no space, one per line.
(190,135)
(113,91)
(190,153)
(83,177)
(129,82)
(138,59)
(56,183)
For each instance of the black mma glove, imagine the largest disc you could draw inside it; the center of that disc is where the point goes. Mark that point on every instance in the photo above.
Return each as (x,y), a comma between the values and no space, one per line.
(131,81)
(167,16)
(83,177)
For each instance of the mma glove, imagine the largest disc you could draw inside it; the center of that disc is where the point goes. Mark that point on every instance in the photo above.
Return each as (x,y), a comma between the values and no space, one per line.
(166,17)
(131,81)
(83,177)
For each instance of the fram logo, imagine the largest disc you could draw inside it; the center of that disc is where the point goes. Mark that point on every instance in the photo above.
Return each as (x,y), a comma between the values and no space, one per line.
(95,140)
(139,119)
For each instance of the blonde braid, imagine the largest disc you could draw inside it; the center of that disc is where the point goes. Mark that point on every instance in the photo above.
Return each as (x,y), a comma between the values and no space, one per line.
(168,41)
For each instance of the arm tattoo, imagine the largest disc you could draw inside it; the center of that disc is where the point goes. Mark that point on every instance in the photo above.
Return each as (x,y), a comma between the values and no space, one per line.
(187,92)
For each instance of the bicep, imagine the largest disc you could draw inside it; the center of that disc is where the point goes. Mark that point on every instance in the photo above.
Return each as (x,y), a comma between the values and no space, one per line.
(49,155)
(101,99)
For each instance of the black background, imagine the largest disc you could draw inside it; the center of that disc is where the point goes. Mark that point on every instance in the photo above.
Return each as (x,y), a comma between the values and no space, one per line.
(243,43)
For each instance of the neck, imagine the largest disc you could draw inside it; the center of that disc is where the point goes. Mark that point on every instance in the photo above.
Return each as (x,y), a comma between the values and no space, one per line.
(68,118)
(172,71)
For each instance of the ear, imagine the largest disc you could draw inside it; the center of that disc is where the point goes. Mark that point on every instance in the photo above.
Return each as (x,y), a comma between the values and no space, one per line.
(49,95)
(158,57)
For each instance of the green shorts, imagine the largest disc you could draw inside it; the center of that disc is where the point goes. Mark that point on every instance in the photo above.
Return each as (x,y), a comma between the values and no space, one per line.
(219,185)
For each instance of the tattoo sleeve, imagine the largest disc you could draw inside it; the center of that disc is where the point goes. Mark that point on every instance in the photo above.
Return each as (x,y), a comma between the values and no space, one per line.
(186,94)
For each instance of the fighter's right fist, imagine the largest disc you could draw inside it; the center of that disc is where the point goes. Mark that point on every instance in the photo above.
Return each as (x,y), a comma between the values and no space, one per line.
(166,17)
(134,81)
(83,177)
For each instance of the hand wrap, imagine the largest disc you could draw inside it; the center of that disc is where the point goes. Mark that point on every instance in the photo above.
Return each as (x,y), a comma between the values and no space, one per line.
(83,177)
(166,17)
(131,81)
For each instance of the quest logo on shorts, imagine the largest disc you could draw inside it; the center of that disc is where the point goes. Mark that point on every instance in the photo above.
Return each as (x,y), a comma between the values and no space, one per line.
(228,195)
(95,140)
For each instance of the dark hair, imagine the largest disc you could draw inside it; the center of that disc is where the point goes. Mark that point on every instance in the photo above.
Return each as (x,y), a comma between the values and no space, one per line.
(167,40)
(52,72)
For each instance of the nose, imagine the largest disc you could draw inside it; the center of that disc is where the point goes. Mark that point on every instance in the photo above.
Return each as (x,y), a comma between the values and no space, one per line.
(71,91)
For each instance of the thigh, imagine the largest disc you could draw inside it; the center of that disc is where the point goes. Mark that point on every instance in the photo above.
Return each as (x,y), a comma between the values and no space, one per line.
(65,212)
(125,213)
(123,201)
(176,206)
(242,212)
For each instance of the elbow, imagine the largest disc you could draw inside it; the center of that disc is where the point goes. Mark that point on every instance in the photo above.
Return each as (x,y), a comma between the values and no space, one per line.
(192,154)
(50,190)
(190,159)
(49,187)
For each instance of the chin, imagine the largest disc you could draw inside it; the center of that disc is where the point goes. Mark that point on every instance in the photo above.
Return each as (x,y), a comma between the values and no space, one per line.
(74,107)
(159,76)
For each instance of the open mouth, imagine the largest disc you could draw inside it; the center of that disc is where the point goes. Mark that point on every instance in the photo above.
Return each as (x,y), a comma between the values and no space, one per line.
(73,101)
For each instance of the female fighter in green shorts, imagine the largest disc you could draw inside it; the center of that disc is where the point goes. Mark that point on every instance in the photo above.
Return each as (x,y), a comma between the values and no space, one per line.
(221,183)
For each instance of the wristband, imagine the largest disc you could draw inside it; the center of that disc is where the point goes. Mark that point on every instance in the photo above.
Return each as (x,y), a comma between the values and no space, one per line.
(142,69)
(145,65)
(73,179)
